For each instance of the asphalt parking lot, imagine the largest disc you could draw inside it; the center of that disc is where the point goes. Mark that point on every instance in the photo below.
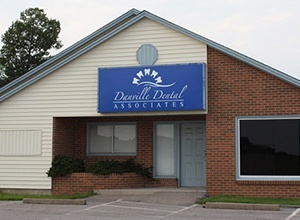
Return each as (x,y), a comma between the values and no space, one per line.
(134,209)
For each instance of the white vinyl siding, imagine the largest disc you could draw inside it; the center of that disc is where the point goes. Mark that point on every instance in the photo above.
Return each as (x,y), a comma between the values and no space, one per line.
(26,171)
(72,91)
(20,142)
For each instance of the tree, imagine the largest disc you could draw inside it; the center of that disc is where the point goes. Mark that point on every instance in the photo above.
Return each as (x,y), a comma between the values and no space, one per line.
(27,42)
(3,77)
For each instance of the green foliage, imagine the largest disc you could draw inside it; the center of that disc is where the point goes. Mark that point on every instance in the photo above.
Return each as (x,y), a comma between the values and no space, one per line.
(110,166)
(255,200)
(10,196)
(62,166)
(27,42)
(3,76)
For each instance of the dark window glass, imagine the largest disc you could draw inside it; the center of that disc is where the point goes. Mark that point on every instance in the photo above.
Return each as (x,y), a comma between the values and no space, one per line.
(269,147)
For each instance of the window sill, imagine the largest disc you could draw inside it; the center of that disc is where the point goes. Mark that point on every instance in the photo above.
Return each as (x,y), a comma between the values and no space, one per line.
(164,177)
(112,155)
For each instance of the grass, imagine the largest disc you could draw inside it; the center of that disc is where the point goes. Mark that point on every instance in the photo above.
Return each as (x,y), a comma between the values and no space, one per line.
(242,199)
(8,196)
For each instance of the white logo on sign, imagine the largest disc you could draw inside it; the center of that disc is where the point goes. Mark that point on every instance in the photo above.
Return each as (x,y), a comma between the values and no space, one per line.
(147,79)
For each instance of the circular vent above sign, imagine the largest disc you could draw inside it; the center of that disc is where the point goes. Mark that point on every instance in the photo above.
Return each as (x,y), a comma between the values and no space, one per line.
(146,55)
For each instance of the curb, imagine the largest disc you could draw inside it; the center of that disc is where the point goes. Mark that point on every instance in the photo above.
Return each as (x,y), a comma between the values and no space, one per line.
(143,191)
(55,201)
(244,206)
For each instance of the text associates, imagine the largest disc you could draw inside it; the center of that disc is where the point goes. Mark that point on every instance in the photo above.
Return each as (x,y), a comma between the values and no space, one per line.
(150,98)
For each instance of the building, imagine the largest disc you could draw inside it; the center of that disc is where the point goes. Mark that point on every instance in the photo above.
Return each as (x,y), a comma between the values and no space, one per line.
(141,87)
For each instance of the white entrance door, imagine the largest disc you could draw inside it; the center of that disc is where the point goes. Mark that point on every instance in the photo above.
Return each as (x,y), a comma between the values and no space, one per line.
(193,166)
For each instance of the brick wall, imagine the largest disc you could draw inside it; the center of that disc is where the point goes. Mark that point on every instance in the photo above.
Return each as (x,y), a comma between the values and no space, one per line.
(234,89)
(144,137)
(70,140)
(237,89)
(87,182)
(64,133)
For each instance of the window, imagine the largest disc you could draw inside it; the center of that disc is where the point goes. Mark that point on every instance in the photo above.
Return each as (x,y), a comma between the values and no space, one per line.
(111,139)
(268,148)
(165,150)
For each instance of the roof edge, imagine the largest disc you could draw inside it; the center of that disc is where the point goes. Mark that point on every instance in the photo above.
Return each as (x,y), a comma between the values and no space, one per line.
(121,23)
(259,65)
(71,48)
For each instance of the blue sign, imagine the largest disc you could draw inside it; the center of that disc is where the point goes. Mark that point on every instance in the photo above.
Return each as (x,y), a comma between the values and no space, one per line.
(152,88)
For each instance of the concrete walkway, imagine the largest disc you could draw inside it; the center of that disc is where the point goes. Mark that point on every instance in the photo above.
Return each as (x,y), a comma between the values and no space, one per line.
(156,196)
(171,196)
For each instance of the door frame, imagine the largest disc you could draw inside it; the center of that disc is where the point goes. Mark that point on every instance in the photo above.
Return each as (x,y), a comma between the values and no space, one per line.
(177,150)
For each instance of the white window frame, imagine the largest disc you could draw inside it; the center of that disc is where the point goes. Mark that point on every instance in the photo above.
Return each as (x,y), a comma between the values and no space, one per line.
(112,153)
(237,149)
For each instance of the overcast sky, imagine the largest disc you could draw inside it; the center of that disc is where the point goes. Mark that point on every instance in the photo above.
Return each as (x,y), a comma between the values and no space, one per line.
(265,30)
